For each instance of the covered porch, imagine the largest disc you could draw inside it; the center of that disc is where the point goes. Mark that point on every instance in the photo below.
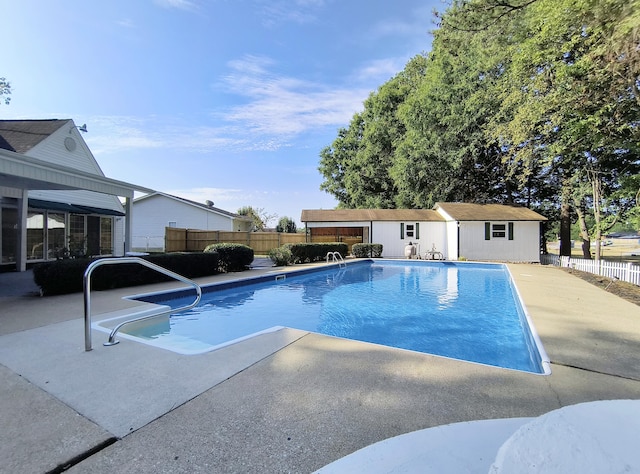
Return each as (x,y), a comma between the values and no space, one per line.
(55,222)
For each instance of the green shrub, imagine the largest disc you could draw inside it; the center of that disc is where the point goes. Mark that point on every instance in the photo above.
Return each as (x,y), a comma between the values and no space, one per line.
(315,252)
(67,276)
(367,250)
(281,256)
(233,257)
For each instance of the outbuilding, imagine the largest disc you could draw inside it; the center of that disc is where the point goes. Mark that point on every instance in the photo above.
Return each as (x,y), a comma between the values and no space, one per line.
(485,232)
(155,211)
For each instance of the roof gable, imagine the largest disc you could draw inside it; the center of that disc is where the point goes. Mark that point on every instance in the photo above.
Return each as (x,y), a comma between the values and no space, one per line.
(20,136)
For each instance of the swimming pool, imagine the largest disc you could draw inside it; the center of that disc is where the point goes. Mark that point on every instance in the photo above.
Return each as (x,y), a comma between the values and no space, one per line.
(464,311)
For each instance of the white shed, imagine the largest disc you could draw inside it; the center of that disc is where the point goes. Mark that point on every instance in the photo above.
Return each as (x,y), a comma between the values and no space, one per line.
(451,230)
(393,228)
(152,213)
(493,231)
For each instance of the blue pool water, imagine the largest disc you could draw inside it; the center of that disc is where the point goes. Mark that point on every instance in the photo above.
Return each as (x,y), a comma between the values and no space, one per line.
(458,310)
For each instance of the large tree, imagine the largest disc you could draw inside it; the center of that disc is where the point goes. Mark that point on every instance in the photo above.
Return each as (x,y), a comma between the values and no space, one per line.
(528,101)
(5,91)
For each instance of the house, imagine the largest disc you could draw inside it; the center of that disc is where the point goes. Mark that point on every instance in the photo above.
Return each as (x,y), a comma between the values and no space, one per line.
(55,200)
(156,211)
(449,230)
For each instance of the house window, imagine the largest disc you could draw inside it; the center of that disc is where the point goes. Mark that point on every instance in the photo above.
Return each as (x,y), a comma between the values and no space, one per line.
(487,231)
(417,230)
(402,231)
(56,231)
(77,235)
(173,224)
(35,235)
(510,230)
(106,235)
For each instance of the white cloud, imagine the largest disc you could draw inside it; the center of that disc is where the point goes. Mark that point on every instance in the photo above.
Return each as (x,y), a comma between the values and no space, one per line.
(179,4)
(379,71)
(126,23)
(113,134)
(219,196)
(285,106)
(276,12)
(422,21)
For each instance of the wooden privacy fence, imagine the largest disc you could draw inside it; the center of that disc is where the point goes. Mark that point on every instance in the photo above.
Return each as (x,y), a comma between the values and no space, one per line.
(625,271)
(193,240)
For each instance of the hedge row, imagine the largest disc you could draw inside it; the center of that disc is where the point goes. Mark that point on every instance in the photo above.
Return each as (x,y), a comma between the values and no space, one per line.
(66,276)
(233,257)
(306,253)
(367,250)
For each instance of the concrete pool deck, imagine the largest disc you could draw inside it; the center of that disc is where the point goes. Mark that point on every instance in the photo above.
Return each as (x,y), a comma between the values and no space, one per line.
(288,401)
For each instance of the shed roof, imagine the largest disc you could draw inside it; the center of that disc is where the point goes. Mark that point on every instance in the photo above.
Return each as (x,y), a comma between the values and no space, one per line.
(488,212)
(367,215)
(20,136)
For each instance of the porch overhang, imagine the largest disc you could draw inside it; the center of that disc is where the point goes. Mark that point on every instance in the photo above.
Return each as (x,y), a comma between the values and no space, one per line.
(27,173)
(22,173)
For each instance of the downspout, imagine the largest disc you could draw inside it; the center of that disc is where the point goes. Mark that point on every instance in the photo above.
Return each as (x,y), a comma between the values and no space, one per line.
(458,243)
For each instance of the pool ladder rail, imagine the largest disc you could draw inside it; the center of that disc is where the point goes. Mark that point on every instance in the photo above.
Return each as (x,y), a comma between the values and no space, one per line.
(118,260)
(336,258)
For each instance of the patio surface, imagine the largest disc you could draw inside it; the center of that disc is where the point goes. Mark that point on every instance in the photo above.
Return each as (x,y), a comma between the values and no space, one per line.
(288,401)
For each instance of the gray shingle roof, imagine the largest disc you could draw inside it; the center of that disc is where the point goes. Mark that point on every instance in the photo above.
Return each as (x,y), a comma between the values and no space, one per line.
(20,136)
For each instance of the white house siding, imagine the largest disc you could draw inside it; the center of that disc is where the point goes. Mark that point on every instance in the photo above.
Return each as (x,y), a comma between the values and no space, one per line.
(523,248)
(52,149)
(151,215)
(452,240)
(388,234)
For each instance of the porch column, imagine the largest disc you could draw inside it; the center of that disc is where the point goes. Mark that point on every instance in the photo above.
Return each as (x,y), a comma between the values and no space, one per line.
(127,224)
(21,244)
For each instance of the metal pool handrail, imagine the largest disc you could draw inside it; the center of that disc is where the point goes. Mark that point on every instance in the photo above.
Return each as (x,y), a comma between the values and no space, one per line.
(86,284)
(336,258)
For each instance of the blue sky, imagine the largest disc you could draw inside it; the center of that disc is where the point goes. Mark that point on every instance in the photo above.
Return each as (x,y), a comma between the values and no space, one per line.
(222,100)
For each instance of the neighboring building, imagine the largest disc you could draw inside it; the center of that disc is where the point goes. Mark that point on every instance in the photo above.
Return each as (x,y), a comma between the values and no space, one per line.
(55,200)
(156,211)
(451,230)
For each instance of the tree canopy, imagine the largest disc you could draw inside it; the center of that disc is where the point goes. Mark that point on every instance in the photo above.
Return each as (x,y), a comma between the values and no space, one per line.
(5,91)
(260,217)
(534,102)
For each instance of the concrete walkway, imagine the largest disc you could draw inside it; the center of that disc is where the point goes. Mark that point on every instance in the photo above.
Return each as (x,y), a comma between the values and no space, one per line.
(288,401)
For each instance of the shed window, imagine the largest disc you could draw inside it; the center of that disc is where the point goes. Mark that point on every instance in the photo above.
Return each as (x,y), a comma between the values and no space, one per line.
(410,230)
(499,230)
(417,230)
(487,231)
(510,230)
(402,230)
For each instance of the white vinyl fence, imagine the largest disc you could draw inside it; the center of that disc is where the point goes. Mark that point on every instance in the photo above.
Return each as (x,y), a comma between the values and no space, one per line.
(624,271)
